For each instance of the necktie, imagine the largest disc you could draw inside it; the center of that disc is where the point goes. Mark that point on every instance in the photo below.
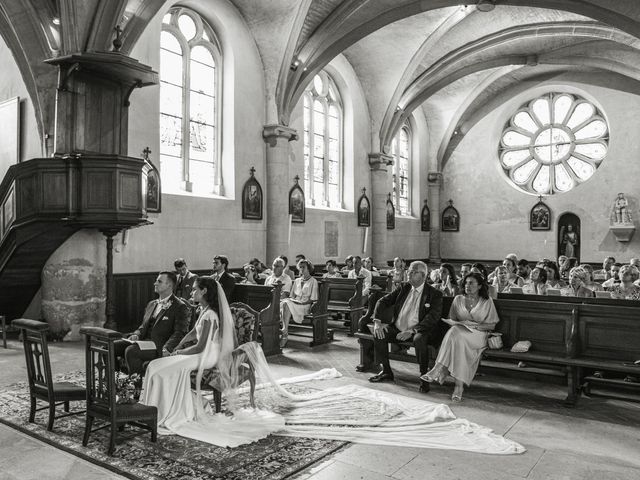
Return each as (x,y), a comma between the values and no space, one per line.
(408,309)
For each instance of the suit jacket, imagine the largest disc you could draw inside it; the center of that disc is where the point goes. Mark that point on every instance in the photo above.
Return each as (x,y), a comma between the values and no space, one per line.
(185,286)
(428,316)
(228,283)
(169,327)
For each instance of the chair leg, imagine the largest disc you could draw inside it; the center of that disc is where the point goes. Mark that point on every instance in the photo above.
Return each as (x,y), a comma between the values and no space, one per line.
(154,431)
(87,430)
(217,400)
(252,388)
(32,410)
(52,414)
(66,406)
(112,439)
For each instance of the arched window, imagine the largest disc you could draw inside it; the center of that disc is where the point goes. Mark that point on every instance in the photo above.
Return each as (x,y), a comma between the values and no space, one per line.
(401,152)
(190,63)
(323,143)
(553,143)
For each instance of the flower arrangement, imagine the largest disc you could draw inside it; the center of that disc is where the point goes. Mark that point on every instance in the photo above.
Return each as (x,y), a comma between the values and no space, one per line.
(128,388)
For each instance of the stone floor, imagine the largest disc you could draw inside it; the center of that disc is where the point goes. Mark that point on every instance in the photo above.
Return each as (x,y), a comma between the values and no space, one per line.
(600,439)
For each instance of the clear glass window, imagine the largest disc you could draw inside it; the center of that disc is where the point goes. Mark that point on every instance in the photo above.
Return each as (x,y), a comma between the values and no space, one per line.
(401,152)
(322,143)
(189,104)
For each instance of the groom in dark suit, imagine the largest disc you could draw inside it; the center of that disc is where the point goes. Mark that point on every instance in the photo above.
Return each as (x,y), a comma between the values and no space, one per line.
(417,308)
(165,322)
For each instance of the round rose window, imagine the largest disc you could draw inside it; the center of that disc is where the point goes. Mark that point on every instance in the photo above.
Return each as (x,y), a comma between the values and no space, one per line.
(553,143)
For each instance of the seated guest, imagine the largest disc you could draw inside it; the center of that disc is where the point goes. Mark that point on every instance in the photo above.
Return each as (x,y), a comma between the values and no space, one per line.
(261,269)
(561,261)
(577,284)
(250,275)
(614,277)
(416,310)
(303,293)
(465,269)
(348,264)
(590,284)
(300,257)
(626,289)
(523,269)
(473,315)
(568,264)
(368,264)
(165,322)
(360,272)
(332,270)
(280,276)
(220,274)
(287,270)
(501,282)
(511,269)
(448,283)
(184,283)
(537,284)
(482,270)
(604,274)
(635,262)
(553,276)
(398,274)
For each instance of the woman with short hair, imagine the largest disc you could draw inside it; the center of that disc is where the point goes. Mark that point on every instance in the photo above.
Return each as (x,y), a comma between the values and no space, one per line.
(577,284)
(626,289)
(303,293)
(501,281)
(537,284)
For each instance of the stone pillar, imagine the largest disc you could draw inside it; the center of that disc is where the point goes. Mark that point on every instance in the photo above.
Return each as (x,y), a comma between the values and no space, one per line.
(380,187)
(277,138)
(435,183)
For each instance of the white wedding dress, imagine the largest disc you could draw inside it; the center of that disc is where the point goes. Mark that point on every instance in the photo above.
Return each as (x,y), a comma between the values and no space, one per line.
(182,411)
(348,412)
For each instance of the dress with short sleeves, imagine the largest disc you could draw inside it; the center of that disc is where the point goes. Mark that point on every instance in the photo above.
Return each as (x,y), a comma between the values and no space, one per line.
(303,291)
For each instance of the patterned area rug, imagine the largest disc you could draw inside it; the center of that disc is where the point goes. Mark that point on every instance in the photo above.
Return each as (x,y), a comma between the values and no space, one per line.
(172,457)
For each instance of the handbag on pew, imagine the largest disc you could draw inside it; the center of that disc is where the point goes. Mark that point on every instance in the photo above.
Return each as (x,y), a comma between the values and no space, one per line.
(495,341)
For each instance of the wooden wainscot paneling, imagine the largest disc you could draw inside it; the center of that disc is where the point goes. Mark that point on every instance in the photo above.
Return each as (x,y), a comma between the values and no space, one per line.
(28,201)
(132,293)
(98,191)
(54,191)
(130,191)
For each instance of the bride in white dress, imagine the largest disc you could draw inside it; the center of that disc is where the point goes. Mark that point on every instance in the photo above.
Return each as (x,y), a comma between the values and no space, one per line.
(347,412)
(167,382)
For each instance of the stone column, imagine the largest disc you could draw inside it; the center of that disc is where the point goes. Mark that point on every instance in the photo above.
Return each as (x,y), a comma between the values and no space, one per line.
(435,183)
(380,187)
(277,138)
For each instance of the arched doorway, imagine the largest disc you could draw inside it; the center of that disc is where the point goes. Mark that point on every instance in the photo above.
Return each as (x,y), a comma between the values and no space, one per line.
(569,235)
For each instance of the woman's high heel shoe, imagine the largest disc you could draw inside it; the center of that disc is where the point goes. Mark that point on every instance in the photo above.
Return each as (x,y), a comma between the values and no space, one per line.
(456,398)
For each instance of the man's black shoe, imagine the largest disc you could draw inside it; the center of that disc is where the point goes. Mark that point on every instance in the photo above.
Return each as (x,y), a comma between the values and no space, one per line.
(424,387)
(382,377)
(362,368)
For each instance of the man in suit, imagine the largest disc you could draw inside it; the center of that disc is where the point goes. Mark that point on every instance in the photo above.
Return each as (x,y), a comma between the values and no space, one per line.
(165,322)
(220,266)
(417,308)
(184,283)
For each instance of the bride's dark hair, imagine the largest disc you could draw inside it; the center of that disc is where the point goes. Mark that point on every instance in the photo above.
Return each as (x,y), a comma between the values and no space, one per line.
(211,296)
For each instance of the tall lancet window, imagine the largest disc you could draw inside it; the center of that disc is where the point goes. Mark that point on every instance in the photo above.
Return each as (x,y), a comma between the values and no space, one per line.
(401,151)
(323,120)
(190,61)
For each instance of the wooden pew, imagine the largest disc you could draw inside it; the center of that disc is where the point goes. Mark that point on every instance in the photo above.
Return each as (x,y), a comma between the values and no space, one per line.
(314,326)
(265,300)
(345,296)
(572,337)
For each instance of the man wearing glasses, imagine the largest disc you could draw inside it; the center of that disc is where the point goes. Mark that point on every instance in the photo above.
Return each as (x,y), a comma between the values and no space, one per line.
(417,308)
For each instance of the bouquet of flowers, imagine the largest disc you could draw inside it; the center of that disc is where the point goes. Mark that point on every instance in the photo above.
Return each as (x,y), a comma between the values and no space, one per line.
(128,388)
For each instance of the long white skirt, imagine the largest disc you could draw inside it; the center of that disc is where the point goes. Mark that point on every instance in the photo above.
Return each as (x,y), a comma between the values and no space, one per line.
(460,352)
(167,386)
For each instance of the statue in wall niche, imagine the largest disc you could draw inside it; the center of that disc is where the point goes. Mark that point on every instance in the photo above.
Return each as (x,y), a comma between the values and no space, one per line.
(621,214)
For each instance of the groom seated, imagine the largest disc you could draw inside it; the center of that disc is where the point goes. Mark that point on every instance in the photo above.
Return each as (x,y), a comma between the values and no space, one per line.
(166,321)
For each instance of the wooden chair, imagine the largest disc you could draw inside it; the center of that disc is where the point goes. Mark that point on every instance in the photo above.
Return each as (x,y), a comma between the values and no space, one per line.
(101,390)
(41,384)
(245,319)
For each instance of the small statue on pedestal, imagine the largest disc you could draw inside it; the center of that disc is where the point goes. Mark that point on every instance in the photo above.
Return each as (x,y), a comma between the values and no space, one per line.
(621,214)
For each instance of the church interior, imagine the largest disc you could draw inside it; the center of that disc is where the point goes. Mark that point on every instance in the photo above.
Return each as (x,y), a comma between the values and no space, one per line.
(138,132)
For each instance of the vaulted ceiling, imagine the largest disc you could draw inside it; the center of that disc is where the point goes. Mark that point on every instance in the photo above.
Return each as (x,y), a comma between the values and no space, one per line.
(443,56)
